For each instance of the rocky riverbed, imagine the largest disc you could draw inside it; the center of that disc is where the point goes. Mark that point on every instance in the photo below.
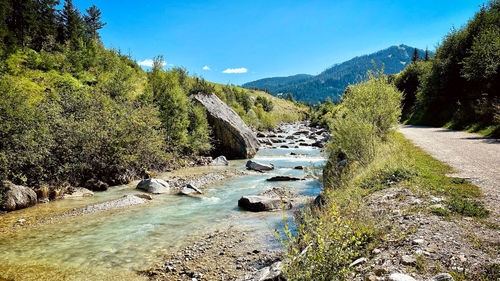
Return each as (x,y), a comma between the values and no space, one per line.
(221,255)
(122,230)
(42,214)
(244,254)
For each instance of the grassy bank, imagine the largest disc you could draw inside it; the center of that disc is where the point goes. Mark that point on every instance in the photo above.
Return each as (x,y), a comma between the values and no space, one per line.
(368,157)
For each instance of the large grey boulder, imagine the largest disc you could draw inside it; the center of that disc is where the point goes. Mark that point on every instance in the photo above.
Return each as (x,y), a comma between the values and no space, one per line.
(234,138)
(261,203)
(155,186)
(14,197)
(256,166)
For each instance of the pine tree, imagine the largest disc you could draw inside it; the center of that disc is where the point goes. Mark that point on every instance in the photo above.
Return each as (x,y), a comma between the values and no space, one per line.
(93,22)
(72,24)
(415,57)
(427,56)
(22,21)
(46,23)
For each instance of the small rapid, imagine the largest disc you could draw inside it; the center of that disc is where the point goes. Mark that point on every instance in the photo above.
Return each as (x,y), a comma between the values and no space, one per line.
(118,242)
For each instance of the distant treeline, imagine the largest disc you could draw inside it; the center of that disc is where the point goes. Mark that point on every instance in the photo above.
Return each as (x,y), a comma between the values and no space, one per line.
(460,86)
(73,112)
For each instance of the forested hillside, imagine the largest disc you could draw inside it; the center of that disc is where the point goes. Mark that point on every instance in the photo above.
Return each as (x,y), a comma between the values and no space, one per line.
(460,86)
(73,112)
(332,82)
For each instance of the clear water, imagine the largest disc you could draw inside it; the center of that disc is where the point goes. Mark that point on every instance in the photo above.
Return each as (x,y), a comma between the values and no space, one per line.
(117,242)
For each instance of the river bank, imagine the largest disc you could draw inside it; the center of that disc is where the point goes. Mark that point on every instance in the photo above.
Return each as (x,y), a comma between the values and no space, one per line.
(131,239)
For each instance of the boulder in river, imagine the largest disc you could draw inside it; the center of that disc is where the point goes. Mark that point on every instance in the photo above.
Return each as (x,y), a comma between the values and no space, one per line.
(155,186)
(256,166)
(190,189)
(284,178)
(219,161)
(260,203)
(233,136)
(14,197)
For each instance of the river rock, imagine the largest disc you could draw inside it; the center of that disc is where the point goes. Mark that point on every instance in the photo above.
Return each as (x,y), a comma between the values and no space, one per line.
(96,185)
(400,277)
(273,272)
(442,277)
(283,178)
(233,136)
(258,203)
(220,161)
(79,192)
(256,166)
(14,197)
(190,189)
(155,186)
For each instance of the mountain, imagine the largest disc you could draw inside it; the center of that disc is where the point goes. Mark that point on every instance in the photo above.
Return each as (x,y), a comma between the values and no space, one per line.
(332,82)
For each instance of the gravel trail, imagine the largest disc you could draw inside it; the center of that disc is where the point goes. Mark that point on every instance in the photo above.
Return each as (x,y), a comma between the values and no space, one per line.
(473,157)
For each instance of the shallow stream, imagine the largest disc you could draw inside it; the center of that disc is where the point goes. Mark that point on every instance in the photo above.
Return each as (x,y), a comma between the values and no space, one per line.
(114,244)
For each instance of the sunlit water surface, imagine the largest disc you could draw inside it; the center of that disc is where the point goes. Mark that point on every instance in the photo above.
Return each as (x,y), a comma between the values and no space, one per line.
(114,244)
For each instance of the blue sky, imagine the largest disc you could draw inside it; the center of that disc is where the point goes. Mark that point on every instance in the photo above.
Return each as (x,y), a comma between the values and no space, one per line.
(255,39)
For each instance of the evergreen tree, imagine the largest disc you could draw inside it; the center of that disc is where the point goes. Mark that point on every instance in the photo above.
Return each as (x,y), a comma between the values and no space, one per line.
(22,21)
(72,23)
(427,56)
(93,22)
(415,57)
(46,26)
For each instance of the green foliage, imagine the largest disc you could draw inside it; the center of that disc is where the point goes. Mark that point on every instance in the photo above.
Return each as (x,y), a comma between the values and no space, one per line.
(326,247)
(266,103)
(368,112)
(467,207)
(73,111)
(199,136)
(440,212)
(323,114)
(408,82)
(459,87)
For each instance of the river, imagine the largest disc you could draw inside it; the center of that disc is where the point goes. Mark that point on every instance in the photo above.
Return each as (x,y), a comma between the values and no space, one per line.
(112,245)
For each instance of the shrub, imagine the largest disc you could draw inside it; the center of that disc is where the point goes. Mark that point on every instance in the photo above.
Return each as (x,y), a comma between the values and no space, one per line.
(323,249)
(266,103)
(368,111)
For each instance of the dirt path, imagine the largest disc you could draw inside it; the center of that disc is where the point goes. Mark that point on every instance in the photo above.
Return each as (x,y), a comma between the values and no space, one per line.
(473,156)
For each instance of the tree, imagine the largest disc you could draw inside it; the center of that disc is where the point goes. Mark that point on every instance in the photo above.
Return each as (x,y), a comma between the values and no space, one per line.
(46,26)
(427,55)
(93,22)
(289,97)
(415,57)
(72,24)
(266,103)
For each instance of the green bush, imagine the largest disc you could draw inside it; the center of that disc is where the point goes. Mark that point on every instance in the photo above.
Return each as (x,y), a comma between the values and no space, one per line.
(368,112)
(266,103)
(324,248)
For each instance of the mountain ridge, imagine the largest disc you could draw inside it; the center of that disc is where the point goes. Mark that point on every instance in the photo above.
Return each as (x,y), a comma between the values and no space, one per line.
(331,82)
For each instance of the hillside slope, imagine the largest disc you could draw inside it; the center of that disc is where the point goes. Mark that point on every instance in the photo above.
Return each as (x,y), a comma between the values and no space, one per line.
(332,82)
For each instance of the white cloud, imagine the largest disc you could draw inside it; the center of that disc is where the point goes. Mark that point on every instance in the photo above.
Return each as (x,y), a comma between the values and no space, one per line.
(149,63)
(206,67)
(236,70)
